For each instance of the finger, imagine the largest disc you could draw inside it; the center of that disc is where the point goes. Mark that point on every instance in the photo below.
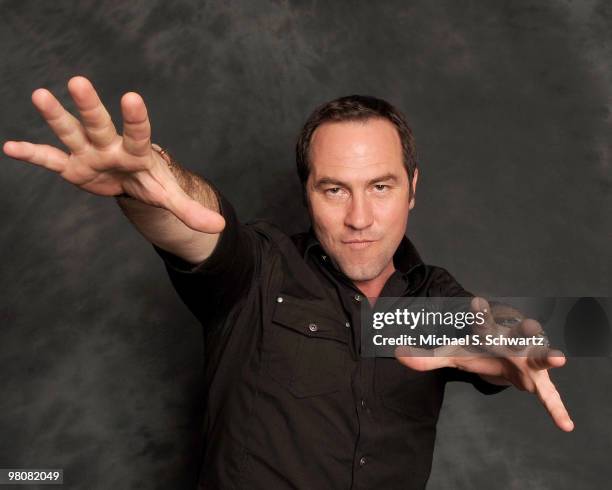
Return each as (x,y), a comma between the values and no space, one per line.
(481,305)
(45,156)
(65,126)
(544,358)
(506,315)
(97,122)
(527,328)
(136,125)
(488,326)
(550,398)
(556,358)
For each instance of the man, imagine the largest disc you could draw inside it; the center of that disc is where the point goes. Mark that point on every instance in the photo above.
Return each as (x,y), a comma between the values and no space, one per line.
(291,403)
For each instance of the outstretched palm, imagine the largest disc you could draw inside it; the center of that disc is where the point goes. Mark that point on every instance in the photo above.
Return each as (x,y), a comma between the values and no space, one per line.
(105,163)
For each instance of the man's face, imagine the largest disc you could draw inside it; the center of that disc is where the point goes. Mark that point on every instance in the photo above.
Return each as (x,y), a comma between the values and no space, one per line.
(357,194)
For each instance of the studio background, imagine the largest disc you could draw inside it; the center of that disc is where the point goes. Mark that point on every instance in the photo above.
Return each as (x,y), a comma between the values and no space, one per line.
(510,103)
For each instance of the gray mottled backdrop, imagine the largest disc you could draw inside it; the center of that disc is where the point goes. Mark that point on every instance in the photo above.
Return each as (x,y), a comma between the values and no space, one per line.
(510,102)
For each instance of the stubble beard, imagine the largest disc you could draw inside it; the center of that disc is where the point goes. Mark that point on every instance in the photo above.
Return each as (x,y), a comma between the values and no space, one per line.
(361,272)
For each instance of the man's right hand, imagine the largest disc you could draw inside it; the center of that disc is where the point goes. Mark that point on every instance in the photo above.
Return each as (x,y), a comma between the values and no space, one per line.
(108,164)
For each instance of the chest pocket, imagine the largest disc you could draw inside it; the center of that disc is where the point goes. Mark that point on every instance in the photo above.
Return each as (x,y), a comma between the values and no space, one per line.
(306,348)
(416,394)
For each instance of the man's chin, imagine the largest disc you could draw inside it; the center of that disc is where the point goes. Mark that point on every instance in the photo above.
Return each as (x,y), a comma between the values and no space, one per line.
(358,274)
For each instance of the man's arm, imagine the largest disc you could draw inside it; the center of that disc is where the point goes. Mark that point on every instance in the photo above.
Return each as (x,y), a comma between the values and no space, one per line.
(171,207)
(162,228)
(527,369)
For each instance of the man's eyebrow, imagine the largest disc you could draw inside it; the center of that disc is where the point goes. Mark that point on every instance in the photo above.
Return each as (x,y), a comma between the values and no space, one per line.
(329,181)
(384,178)
(332,181)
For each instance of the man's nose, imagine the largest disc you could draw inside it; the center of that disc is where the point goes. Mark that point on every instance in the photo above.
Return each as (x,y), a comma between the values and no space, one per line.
(359,214)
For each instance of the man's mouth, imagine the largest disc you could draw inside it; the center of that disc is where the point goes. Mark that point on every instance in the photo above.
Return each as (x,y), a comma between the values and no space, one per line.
(358,244)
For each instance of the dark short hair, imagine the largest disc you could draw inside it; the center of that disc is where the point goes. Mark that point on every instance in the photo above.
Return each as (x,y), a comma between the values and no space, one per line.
(354,108)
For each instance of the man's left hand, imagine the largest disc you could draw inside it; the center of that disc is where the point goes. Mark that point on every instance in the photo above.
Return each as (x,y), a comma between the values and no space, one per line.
(525,368)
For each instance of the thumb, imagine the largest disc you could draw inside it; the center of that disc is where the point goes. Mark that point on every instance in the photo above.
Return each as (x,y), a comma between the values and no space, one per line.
(194,214)
(422,359)
(481,305)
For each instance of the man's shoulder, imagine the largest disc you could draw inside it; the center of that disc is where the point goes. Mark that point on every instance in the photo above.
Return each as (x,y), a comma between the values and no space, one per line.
(270,230)
(272,233)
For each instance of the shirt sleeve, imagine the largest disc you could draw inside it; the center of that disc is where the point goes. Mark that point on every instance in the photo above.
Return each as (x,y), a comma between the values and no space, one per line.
(212,287)
(475,380)
(447,286)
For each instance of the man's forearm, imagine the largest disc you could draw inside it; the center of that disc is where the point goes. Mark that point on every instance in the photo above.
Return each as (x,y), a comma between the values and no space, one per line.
(163,228)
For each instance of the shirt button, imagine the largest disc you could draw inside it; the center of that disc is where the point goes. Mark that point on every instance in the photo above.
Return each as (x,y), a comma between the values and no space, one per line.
(364,404)
(357,297)
(324,257)
(347,324)
(279,299)
(313,327)
(363,461)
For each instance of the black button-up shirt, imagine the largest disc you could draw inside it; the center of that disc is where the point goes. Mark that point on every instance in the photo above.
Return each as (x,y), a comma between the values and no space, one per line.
(290,401)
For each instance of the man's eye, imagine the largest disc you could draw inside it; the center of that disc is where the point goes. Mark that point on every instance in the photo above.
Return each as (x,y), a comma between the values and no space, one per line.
(334,191)
(381,187)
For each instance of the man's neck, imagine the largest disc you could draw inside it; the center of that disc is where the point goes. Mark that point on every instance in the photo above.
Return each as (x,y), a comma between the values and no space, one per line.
(374,287)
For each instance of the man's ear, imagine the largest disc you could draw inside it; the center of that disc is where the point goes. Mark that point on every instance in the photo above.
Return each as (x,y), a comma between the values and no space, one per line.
(413,185)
